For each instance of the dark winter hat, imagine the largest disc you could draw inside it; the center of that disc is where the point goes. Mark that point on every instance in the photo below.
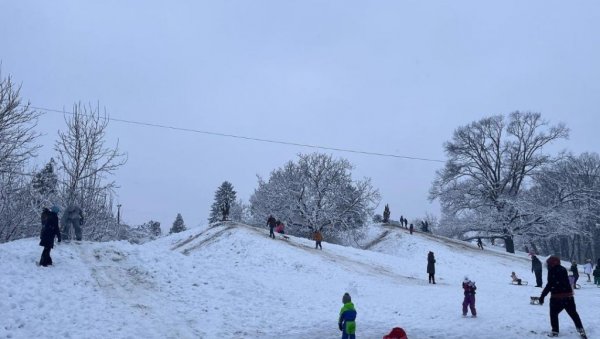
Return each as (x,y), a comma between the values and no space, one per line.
(346,298)
(553,261)
(55,209)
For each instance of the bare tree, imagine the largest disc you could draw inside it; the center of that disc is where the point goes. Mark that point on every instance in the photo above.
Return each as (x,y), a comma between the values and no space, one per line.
(17,146)
(86,163)
(17,123)
(489,163)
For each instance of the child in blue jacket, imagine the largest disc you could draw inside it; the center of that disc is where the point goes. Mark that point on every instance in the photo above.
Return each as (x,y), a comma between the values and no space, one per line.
(347,318)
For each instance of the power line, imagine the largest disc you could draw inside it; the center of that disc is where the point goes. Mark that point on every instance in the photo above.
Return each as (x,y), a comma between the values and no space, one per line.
(235,136)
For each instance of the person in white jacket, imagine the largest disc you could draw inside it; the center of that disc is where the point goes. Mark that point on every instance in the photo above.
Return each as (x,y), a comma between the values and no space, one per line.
(587,269)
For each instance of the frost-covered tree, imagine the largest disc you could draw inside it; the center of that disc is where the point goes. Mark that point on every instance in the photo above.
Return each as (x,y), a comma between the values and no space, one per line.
(225,198)
(18,214)
(86,163)
(178,225)
(377,218)
(140,234)
(316,192)
(17,124)
(490,162)
(386,214)
(240,211)
(564,202)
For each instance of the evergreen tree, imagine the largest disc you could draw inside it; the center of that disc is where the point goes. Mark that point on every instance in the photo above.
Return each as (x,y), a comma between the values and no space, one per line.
(386,213)
(225,198)
(45,181)
(178,225)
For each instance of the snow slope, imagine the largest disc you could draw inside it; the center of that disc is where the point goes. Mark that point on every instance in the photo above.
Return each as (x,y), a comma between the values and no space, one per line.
(233,281)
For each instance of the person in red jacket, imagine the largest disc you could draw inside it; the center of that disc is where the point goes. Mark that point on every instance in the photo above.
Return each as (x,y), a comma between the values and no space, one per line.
(561,296)
(397,333)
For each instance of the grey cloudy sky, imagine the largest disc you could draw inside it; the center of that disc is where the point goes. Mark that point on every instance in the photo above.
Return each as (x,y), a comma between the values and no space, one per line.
(384,76)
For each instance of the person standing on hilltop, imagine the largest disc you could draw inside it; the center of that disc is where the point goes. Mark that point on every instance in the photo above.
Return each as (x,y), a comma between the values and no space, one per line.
(271,222)
(50,230)
(318,237)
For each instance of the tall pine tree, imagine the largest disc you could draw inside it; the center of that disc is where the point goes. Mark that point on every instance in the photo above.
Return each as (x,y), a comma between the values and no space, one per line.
(224,200)
(46,181)
(386,214)
(178,225)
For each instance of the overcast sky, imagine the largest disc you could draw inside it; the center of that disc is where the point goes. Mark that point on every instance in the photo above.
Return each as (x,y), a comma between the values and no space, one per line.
(383,76)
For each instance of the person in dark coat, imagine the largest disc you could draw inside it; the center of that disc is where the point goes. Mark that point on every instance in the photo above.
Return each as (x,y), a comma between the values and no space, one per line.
(271,222)
(49,231)
(536,268)
(411,228)
(431,267)
(575,272)
(479,243)
(561,296)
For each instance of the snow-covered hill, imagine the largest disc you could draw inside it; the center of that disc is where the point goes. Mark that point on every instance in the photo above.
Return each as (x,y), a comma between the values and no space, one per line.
(233,281)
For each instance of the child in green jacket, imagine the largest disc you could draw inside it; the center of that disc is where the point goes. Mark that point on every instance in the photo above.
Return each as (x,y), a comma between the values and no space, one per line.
(347,318)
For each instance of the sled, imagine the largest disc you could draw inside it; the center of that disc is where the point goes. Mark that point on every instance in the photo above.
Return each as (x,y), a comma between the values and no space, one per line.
(523,283)
(535,301)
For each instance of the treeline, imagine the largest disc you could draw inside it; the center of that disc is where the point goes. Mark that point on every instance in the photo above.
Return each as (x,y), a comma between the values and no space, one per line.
(79,174)
(499,182)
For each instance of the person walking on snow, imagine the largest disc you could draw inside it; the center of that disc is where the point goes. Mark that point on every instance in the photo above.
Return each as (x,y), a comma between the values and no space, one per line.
(561,296)
(318,237)
(575,273)
(469,289)
(271,222)
(587,269)
(536,267)
(479,243)
(431,267)
(411,228)
(49,231)
(347,319)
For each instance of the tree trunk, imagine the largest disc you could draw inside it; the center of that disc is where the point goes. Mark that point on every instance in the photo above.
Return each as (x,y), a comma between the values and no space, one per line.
(510,244)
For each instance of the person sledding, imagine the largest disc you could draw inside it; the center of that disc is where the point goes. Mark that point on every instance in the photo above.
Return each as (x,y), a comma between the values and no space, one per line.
(516,280)
(280,228)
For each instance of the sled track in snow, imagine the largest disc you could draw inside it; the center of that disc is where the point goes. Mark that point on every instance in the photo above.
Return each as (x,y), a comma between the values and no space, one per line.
(376,241)
(210,238)
(348,263)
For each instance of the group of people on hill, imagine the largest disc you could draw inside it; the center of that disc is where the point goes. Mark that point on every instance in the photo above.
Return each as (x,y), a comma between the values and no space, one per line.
(72,218)
(276,226)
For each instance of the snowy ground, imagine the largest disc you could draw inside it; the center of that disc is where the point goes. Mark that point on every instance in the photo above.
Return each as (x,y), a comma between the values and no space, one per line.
(232,281)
